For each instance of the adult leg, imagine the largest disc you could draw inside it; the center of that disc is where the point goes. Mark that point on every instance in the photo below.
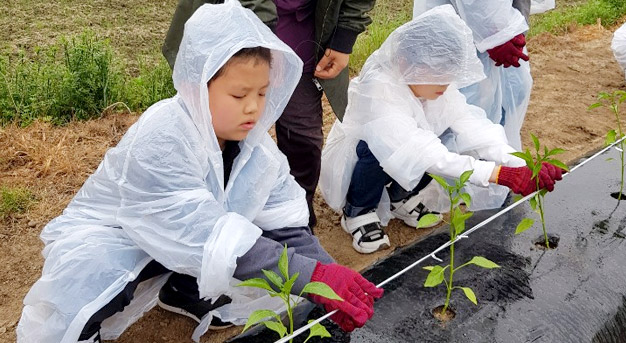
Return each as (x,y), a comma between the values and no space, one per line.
(299,136)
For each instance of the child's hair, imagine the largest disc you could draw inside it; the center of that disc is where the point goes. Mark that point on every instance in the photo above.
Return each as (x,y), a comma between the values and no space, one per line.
(259,54)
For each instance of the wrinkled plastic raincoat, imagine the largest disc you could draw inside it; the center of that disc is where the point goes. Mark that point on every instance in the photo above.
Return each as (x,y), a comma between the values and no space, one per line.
(159,194)
(504,90)
(402,130)
(619,46)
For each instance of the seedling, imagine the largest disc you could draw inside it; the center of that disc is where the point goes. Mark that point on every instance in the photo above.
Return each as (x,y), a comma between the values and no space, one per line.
(457,226)
(535,163)
(613,101)
(271,319)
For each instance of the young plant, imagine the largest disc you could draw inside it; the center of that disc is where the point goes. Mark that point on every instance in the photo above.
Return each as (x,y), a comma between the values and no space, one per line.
(613,101)
(535,164)
(284,284)
(457,226)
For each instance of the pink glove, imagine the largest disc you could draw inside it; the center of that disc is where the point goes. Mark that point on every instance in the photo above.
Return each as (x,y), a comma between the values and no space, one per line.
(358,295)
(520,181)
(509,53)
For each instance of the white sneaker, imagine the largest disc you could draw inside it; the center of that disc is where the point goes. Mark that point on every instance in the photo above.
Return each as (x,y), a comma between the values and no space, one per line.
(411,210)
(367,234)
(93,339)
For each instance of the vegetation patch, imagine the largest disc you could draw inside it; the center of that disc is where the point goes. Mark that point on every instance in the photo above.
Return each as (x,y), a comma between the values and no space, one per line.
(14,201)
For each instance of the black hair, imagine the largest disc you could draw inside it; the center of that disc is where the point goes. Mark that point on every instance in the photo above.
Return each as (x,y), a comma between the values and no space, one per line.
(259,54)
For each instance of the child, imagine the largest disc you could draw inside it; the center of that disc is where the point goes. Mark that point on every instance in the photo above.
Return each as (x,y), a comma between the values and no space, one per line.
(196,187)
(322,33)
(405,97)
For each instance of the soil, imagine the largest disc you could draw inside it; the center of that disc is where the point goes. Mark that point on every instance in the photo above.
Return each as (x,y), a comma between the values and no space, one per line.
(53,162)
(441,316)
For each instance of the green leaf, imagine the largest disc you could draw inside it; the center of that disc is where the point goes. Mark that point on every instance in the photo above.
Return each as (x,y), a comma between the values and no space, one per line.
(289,283)
(535,142)
(559,164)
(610,159)
(257,283)
(258,316)
(610,137)
(536,169)
(542,192)
(467,199)
(524,225)
(517,197)
(604,95)
(277,327)
(428,220)
(555,151)
(321,289)
(273,277)
(596,105)
(483,262)
(533,202)
(428,267)
(317,330)
(283,264)
(440,181)
(458,221)
(469,294)
(527,158)
(435,277)
(465,176)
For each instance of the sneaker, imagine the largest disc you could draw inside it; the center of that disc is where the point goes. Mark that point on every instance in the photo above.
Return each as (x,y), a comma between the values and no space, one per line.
(174,301)
(411,210)
(367,234)
(93,339)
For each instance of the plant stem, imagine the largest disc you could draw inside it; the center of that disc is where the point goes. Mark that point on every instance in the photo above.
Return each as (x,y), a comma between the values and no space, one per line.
(621,154)
(290,315)
(543,222)
(449,285)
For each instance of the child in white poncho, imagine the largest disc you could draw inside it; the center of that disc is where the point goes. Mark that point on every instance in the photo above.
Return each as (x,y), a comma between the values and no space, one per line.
(375,162)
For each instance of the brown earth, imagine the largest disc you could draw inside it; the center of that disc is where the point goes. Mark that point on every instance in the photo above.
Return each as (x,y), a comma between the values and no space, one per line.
(53,162)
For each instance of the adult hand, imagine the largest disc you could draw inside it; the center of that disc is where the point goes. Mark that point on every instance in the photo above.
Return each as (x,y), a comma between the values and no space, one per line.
(509,53)
(331,64)
(520,181)
(357,293)
(555,172)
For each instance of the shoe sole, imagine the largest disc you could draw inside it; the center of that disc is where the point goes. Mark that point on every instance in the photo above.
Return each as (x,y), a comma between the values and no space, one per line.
(190,315)
(410,221)
(385,244)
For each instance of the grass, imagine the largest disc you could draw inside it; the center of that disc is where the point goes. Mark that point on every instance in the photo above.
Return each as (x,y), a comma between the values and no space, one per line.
(14,201)
(558,21)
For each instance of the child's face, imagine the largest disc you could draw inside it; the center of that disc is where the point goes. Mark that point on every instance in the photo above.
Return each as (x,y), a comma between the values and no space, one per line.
(428,92)
(237,98)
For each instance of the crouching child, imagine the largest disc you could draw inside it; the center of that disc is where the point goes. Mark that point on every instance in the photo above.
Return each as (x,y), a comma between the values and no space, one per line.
(194,196)
(376,162)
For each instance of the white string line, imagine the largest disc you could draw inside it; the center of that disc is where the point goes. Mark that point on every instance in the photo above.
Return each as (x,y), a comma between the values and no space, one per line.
(448,243)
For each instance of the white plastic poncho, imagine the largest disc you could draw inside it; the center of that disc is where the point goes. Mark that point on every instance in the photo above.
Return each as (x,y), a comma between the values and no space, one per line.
(159,195)
(504,89)
(401,130)
(619,46)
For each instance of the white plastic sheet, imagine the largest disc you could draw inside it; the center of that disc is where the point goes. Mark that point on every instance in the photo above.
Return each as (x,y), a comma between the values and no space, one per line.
(160,194)
(540,6)
(401,130)
(619,46)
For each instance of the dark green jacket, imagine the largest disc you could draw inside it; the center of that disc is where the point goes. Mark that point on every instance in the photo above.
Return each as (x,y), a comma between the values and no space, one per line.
(337,24)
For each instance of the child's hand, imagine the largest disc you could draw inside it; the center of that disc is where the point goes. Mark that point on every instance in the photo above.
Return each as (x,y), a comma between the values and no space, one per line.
(331,64)
(520,181)
(357,293)
(509,53)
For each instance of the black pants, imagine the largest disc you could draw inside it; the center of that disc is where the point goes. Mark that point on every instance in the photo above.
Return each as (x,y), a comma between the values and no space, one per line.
(299,136)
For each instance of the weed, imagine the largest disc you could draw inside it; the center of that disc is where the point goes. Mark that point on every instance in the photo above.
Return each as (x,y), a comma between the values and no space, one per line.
(535,163)
(14,200)
(284,285)
(457,226)
(613,101)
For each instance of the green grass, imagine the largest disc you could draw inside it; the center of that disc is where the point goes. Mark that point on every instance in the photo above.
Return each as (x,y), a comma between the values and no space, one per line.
(588,12)
(14,200)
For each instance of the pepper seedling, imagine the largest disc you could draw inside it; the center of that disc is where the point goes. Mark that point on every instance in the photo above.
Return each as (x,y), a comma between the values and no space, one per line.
(457,226)
(535,163)
(284,284)
(613,101)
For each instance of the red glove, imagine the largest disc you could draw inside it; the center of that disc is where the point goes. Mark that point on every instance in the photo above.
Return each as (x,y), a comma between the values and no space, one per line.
(520,181)
(509,53)
(555,172)
(358,295)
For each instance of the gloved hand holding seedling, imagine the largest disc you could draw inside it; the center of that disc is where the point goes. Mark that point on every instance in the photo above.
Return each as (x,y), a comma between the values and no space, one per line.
(612,101)
(457,226)
(544,167)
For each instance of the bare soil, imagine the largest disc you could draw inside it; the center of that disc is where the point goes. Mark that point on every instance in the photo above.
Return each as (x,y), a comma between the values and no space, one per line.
(53,162)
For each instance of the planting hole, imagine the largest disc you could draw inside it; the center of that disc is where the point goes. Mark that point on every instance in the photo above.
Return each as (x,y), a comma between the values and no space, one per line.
(553,242)
(443,317)
(615,195)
